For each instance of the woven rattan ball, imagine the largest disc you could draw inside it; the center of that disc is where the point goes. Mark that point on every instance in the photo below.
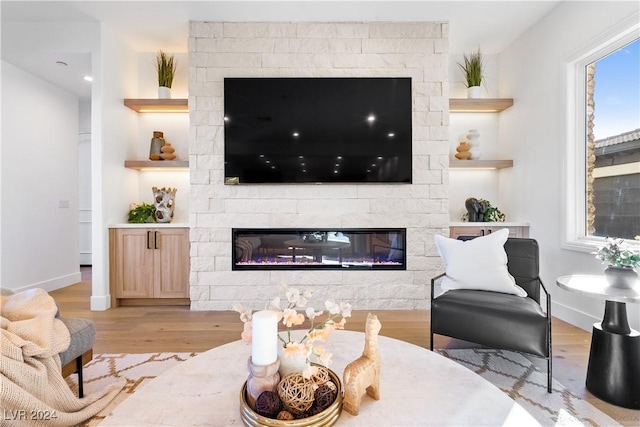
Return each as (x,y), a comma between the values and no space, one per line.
(321,375)
(325,395)
(268,404)
(285,416)
(296,393)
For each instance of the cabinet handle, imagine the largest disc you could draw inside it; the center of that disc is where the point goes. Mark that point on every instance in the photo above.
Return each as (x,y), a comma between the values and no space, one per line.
(482,232)
(148,240)
(489,231)
(155,239)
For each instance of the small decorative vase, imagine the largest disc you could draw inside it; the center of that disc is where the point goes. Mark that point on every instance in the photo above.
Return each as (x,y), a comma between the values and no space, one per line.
(621,277)
(164,92)
(473,92)
(473,137)
(292,363)
(155,149)
(164,199)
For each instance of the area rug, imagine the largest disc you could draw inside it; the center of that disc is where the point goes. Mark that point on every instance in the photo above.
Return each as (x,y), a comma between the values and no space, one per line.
(511,372)
(517,377)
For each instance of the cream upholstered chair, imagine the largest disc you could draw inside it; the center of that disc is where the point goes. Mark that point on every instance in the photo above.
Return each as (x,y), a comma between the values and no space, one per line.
(80,350)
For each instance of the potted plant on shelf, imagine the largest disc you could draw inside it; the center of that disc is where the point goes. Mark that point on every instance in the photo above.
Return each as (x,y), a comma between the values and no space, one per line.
(473,73)
(166,71)
(621,258)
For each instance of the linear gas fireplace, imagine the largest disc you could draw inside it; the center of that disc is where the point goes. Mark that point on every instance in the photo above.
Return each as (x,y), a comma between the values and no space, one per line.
(296,248)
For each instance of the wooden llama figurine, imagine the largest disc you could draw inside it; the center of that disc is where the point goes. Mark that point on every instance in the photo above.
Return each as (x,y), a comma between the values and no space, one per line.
(363,374)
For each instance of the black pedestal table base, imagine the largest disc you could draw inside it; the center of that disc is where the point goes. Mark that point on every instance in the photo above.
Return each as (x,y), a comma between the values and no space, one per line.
(613,373)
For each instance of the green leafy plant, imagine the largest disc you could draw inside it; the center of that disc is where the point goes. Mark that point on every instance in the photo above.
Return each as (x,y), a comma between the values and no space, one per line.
(473,68)
(166,69)
(618,254)
(142,213)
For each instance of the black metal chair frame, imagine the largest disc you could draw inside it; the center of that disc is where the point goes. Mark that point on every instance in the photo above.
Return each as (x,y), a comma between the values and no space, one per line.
(549,358)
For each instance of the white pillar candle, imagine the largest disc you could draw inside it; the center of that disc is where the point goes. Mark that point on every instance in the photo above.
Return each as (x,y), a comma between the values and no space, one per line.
(264,337)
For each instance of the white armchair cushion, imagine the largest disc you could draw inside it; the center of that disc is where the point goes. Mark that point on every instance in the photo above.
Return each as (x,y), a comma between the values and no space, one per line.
(479,264)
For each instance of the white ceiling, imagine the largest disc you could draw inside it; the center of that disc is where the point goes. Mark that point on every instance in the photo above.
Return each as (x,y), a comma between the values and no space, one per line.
(152,25)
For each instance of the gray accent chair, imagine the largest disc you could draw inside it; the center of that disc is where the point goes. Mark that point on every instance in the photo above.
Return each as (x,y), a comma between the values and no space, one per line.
(499,320)
(80,350)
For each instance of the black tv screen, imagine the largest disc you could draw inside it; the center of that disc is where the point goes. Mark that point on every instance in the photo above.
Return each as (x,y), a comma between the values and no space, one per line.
(317,130)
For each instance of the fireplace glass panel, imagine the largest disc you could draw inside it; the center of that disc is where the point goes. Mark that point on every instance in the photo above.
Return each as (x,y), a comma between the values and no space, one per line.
(283,249)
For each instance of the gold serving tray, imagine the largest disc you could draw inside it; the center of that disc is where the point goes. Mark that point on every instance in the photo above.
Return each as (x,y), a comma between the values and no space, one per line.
(328,417)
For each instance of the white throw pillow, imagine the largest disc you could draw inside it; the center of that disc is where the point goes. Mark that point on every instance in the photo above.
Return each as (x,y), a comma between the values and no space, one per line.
(480,264)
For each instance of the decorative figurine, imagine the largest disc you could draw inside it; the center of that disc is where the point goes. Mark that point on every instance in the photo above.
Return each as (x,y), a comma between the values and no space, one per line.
(363,374)
(473,207)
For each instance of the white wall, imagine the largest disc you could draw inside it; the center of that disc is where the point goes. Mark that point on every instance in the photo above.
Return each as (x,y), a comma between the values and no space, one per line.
(114,130)
(39,176)
(531,71)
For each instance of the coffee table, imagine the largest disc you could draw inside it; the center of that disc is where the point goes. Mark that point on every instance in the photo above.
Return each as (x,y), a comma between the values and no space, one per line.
(613,372)
(418,387)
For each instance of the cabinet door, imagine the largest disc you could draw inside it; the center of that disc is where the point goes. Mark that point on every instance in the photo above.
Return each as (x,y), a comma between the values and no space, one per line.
(455,232)
(172,263)
(133,263)
(516,231)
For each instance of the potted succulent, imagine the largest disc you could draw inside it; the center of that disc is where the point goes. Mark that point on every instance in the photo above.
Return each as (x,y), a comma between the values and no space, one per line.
(621,259)
(473,73)
(166,68)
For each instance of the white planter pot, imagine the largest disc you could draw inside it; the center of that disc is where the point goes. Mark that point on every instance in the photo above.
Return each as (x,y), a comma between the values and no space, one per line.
(164,92)
(473,92)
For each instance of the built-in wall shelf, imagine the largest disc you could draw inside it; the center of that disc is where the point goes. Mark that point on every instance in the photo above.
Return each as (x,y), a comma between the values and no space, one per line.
(157,164)
(480,164)
(479,105)
(158,105)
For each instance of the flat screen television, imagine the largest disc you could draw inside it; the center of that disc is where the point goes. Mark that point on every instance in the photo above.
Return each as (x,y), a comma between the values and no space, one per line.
(317,130)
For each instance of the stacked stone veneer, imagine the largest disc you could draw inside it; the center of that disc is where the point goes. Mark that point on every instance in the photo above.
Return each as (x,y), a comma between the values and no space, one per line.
(217,50)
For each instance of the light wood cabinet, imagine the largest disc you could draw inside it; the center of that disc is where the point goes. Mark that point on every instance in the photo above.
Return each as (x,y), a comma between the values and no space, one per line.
(149,266)
(482,229)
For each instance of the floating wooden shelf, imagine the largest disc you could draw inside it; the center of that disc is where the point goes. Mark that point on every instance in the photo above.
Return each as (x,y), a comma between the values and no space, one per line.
(158,105)
(479,105)
(480,164)
(156,164)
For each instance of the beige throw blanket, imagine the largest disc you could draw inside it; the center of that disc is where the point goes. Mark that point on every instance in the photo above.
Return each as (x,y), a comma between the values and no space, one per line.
(33,392)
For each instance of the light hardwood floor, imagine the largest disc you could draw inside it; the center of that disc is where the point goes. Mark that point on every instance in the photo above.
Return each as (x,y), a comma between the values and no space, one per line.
(177,329)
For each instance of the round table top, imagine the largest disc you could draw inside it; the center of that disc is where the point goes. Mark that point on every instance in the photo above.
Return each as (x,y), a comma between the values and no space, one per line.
(597,286)
(417,386)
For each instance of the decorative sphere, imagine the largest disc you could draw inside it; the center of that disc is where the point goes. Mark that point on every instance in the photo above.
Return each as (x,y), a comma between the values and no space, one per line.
(268,404)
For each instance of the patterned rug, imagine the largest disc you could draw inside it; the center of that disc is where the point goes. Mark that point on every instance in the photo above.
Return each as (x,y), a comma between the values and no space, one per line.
(517,377)
(511,372)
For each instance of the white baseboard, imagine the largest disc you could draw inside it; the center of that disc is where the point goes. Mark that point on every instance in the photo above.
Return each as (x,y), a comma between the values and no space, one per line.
(100,303)
(53,284)
(575,317)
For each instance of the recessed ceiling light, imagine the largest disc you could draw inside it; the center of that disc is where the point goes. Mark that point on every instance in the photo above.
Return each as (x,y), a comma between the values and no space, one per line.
(339,157)
(335,171)
(373,164)
(267,161)
(296,134)
(379,157)
(88,78)
(261,155)
(391,135)
(226,119)
(371,118)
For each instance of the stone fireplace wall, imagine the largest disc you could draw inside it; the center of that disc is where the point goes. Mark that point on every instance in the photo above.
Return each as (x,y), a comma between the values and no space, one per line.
(386,49)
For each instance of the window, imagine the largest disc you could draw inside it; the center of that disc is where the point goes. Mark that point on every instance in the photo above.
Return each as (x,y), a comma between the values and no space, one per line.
(602,188)
(613,144)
